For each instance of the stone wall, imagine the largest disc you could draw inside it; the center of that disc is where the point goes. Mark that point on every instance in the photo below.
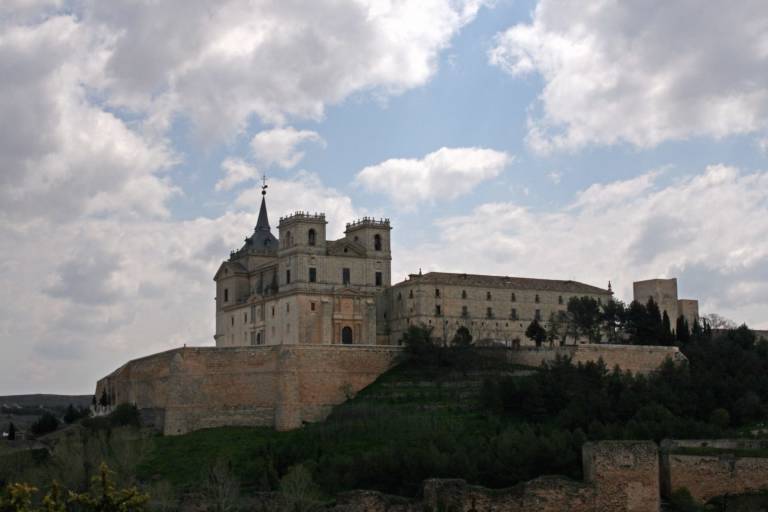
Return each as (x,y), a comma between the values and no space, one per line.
(635,358)
(282,386)
(710,468)
(624,474)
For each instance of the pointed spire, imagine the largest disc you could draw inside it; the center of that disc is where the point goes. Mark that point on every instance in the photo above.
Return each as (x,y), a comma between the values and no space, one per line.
(263,223)
(609,287)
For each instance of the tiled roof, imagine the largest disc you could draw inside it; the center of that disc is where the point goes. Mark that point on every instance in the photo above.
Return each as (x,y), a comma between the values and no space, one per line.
(517,283)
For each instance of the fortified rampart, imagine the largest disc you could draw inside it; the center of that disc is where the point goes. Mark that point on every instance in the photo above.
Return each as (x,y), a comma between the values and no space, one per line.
(710,468)
(635,358)
(283,386)
(187,389)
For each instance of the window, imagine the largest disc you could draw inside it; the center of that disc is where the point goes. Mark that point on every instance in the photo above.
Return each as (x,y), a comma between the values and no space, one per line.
(311,306)
(287,277)
(514,297)
(378,279)
(311,237)
(253,338)
(399,296)
(538,314)
(536,299)
(258,338)
(273,310)
(245,318)
(377,242)
(410,294)
(463,294)
(345,276)
(253,314)
(559,299)
(464,311)
(487,295)
(312,275)
(489,312)
(287,239)
(232,320)
(437,292)
(513,314)
(226,294)
(288,307)
(438,310)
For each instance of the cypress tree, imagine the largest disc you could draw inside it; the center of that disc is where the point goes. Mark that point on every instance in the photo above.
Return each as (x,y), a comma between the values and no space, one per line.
(11,432)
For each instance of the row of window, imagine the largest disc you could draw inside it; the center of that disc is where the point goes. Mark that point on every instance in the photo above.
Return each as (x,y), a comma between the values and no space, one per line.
(312,239)
(488,312)
(488,296)
(345,277)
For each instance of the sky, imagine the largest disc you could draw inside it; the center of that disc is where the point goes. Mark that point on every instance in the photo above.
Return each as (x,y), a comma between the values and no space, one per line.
(592,140)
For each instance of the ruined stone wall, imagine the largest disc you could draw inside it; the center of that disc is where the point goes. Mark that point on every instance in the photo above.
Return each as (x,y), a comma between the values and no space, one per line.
(282,386)
(710,468)
(624,474)
(635,358)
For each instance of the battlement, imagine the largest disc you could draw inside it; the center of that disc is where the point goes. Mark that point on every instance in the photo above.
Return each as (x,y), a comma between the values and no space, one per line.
(303,216)
(369,222)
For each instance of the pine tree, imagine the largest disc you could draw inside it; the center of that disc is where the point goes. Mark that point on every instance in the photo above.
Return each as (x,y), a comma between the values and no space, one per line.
(666,329)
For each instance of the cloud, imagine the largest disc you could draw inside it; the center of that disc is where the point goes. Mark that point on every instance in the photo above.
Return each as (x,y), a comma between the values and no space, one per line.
(640,72)
(280,146)
(444,174)
(236,171)
(63,156)
(709,229)
(555,177)
(221,64)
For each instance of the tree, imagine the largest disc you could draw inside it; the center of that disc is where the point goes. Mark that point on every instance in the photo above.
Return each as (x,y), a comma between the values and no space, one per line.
(72,415)
(104,400)
(717,322)
(559,327)
(536,332)
(462,338)
(586,314)
(46,424)
(613,316)
(11,432)
(666,330)
(682,331)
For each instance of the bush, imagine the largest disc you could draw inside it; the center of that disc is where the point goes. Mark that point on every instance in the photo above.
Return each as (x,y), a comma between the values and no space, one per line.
(124,415)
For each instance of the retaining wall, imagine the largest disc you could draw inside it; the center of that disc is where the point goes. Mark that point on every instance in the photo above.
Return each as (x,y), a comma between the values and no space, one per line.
(635,358)
(710,468)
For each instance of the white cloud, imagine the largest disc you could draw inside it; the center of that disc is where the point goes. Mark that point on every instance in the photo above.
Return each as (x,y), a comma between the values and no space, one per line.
(280,146)
(441,175)
(62,155)
(710,230)
(641,72)
(220,64)
(555,177)
(236,171)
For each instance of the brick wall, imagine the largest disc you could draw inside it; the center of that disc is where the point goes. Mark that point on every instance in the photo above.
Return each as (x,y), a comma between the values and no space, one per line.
(709,468)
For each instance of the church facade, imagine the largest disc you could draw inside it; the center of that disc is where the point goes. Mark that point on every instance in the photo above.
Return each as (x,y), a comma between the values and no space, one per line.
(301,288)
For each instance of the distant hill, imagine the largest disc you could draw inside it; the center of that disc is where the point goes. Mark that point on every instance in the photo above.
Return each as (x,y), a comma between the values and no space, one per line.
(23,410)
(45,401)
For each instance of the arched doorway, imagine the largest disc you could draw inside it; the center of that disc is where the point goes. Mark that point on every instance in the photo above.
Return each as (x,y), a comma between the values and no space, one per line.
(346,335)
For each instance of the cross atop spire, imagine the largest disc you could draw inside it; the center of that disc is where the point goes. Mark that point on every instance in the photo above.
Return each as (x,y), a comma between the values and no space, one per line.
(264,184)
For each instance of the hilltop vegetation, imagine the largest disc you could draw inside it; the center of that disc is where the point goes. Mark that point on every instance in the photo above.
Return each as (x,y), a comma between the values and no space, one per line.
(449,412)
